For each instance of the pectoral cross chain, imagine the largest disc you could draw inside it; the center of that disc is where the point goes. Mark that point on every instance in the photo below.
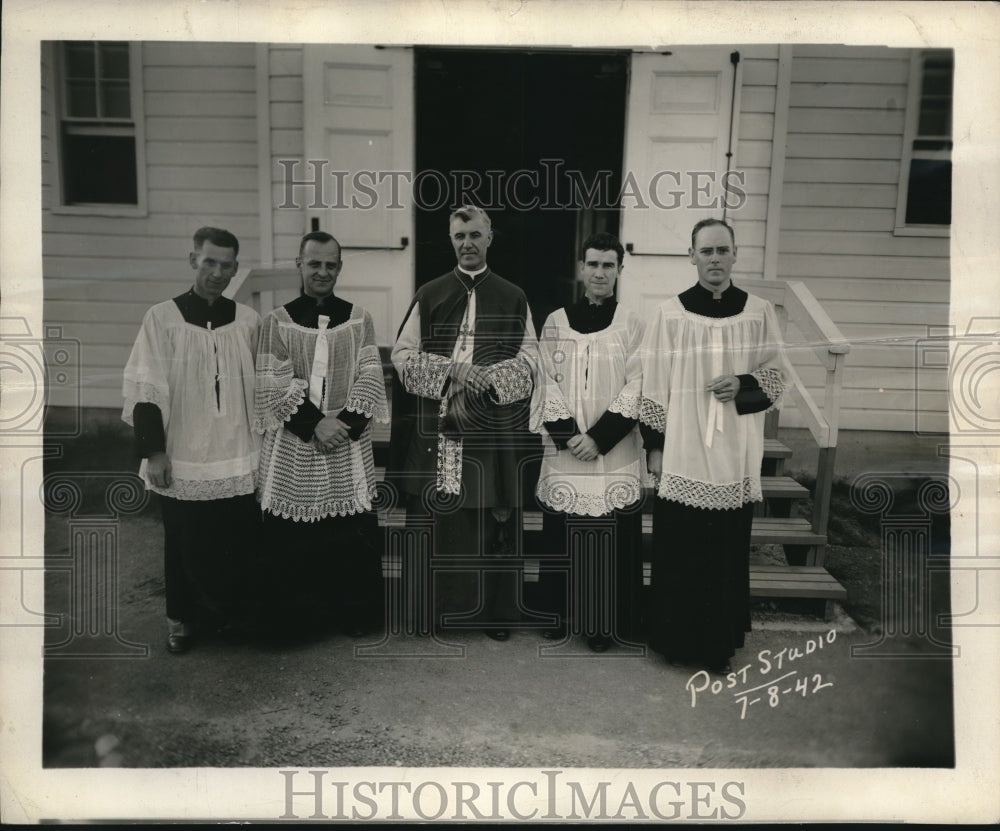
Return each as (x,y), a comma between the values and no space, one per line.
(465,331)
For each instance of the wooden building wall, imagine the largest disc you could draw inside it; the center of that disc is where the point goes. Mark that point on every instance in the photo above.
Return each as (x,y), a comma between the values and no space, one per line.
(103,271)
(844,143)
(755,132)
(286,142)
(819,136)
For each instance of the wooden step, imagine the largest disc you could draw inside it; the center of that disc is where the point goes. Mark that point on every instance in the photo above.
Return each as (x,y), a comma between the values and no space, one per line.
(784,531)
(782,487)
(774,449)
(794,581)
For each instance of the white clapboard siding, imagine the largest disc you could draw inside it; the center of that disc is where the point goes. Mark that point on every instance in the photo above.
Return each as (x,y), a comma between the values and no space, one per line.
(103,272)
(828,194)
(287,142)
(823,241)
(848,265)
(873,146)
(842,168)
(216,114)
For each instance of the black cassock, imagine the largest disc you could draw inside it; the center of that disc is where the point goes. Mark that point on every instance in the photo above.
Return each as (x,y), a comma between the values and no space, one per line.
(700,592)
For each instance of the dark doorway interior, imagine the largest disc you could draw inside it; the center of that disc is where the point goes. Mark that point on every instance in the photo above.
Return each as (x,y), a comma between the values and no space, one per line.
(560,115)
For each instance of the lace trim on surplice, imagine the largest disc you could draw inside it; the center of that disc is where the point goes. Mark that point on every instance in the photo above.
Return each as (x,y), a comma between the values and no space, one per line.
(194,490)
(564,497)
(709,495)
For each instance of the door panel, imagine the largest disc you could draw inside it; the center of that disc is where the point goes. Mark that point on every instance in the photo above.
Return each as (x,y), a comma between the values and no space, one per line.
(358,123)
(679,118)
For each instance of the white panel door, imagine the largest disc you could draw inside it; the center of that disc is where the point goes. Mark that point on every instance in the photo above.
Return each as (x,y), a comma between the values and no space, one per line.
(677,135)
(358,124)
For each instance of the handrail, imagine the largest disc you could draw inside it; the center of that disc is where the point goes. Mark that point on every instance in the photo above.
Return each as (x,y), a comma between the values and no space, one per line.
(257,288)
(816,324)
(826,341)
(831,347)
(267,279)
(236,284)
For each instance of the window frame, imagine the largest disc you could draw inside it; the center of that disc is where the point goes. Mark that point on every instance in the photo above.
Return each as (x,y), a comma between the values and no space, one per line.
(910,135)
(57,117)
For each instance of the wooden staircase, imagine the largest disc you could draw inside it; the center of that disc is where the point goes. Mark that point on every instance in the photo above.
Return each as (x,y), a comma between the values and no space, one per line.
(803,539)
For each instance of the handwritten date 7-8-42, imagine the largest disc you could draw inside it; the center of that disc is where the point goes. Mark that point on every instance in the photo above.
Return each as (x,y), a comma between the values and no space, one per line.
(772,691)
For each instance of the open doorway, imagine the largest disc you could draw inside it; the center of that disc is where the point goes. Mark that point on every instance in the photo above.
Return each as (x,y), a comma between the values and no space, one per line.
(534,137)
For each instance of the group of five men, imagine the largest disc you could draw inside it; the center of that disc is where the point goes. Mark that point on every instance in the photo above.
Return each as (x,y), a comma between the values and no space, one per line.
(238,420)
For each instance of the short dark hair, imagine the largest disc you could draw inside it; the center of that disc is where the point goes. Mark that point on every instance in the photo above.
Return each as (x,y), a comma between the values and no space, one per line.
(321,237)
(705,223)
(469,212)
(217,236)
(602,241)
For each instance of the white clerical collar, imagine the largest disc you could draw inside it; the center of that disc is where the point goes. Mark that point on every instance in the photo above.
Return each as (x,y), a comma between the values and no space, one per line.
(472,274)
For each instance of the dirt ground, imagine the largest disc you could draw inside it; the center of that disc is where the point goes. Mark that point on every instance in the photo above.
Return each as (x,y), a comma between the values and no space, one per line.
(472,701)
(861,698)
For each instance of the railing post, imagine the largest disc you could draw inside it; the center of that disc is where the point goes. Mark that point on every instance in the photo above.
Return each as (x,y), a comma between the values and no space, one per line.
(827,455)
(821,501)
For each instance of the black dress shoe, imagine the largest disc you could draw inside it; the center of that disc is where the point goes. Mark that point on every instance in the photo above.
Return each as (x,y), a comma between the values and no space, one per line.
(598,643)
(178,643)
(497,634)
(719,669)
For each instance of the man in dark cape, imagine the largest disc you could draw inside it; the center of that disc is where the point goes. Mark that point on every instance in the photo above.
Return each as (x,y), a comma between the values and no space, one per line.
(465,359)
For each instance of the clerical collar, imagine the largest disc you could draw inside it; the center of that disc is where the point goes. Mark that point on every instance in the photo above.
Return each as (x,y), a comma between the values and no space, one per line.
(586,317)
(711,294)
(699,300)
(471,274)
(326,300)
(305,310)
(196,309)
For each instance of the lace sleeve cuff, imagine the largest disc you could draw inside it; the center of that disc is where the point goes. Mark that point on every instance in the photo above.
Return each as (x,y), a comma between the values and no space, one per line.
(626,404)
(653,415)
(367,396)
(554,409)
(425,374)
(771,383)
(511,380)
(276,414)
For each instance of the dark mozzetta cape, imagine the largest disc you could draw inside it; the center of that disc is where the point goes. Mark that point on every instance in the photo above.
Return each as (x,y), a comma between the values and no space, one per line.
(498,435)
